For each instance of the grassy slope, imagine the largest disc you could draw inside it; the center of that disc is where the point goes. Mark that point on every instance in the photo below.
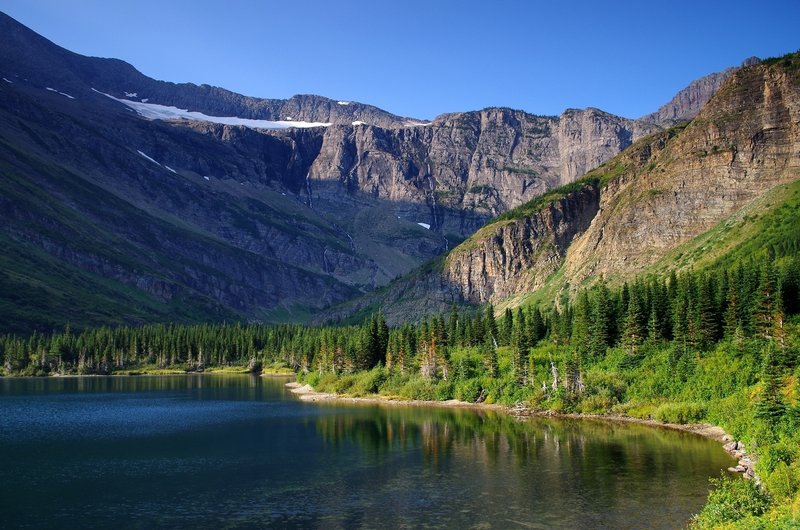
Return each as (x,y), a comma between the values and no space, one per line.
(771,221)
(57,206)
(40,291)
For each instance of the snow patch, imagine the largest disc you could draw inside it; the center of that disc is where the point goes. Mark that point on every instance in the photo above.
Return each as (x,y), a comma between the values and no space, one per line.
(411,123)
(289,118)
(170,169)
(147,157)
(54,90)
(130,94)
(425,225)
(153,111)
(206,178)
(357,122)
(344,102)
(8,80)
(145,100)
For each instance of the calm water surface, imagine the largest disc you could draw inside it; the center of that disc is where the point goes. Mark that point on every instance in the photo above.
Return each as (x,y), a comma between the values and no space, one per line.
(241,452)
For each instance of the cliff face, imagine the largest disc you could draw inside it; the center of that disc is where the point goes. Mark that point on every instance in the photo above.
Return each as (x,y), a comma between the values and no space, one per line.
(462,169)
(661,192)
(518,256)
(744,142)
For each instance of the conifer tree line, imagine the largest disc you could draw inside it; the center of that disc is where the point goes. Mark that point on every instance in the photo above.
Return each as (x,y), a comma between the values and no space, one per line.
(692,310)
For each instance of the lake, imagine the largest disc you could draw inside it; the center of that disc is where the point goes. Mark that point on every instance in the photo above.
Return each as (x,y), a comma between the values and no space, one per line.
(229,451)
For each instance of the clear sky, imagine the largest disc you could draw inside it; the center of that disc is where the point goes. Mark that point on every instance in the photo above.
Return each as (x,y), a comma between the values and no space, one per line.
(422,58)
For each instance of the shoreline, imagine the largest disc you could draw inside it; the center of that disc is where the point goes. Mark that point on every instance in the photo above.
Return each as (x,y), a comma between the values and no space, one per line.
(713,432)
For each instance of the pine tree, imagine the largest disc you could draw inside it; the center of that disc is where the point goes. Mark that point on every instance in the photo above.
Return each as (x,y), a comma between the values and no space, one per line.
(506,328)
(490,325)
(489,353)
(454,327)
(706,315)
(601,322)
(633,329)
(731,319)
(790,287)
(765,298)
(770,406)
(654,333)
(581,323)
(536,326)
(519,349)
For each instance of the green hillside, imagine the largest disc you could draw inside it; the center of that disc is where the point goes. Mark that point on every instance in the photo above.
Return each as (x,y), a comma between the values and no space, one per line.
(770,222)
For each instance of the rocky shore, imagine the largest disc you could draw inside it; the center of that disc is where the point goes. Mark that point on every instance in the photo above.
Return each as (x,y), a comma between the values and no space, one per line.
(746,464)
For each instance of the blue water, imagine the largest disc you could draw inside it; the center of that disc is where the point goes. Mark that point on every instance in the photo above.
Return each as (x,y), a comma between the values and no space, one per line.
(208,451)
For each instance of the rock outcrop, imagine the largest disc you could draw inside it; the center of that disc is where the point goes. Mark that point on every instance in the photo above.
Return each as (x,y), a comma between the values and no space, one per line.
(520,254)
(745,141)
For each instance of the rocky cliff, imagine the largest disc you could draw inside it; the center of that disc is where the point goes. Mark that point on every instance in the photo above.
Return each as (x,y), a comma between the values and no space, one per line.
(518,255)
(629,213)
(464,168)
(745,141)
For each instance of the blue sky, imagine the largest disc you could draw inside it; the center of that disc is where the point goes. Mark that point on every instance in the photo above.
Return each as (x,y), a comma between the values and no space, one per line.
(422,58)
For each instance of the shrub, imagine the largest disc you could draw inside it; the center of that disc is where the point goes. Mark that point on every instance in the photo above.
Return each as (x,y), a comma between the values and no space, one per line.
(596,404)
(418,388)
(311,378)
(680,412)
(508,391)
(635,409)
(394,383)
(468,390)
(609,384)
(343,384)
(731,500)
(732,413)
(783,482)
(772,455)
(326,383)
(368,383)
(444,390)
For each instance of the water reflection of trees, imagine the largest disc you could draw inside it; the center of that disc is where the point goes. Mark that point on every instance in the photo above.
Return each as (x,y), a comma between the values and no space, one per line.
(569,456)
(198,386)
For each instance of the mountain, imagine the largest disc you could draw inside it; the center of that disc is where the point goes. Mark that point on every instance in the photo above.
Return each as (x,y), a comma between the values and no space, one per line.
(730,176)
(126,199)
(41,63)
(687,103)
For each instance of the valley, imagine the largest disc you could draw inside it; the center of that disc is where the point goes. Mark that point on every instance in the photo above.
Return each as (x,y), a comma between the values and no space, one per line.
(579,264)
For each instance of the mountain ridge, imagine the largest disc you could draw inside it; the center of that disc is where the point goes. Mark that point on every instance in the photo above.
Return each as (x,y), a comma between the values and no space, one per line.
(349,206)
(659,194)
